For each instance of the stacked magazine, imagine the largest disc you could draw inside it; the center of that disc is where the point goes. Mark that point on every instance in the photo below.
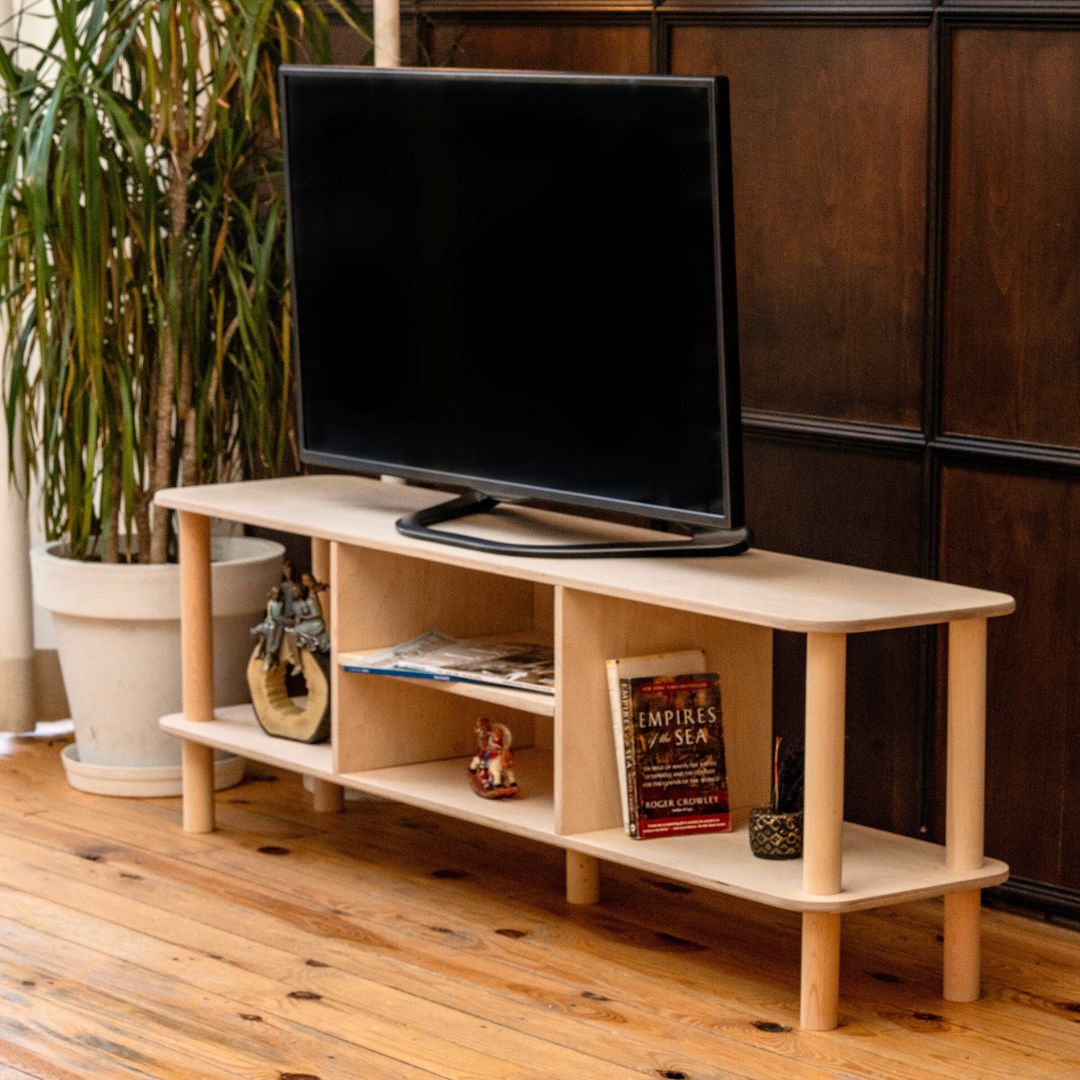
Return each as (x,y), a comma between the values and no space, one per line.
(505,660)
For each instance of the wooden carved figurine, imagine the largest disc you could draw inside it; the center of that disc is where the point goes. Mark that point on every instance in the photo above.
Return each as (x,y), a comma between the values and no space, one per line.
(491,771)
(292,645)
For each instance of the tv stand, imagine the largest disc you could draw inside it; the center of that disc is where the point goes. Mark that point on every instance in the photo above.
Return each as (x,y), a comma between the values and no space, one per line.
(701,542)
(410,740)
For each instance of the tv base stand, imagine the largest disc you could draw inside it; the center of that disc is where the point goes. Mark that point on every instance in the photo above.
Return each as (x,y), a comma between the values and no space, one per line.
(700,542)
(410,740)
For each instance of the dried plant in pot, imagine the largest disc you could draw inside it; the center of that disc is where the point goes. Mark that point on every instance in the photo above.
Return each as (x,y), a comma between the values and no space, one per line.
(776,830)
(146,335)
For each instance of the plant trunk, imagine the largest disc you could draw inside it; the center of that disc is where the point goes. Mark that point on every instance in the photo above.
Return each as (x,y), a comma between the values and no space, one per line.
(111,553)
(142,527)
(171,406)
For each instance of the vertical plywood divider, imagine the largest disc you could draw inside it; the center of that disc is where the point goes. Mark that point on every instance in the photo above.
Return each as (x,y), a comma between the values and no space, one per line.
(338,586)
(590,629)
(586,775)
(380,599)
(544,621)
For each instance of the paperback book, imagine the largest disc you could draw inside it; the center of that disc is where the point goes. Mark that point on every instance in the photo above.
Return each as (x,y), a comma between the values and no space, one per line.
(621,670)
(673,747)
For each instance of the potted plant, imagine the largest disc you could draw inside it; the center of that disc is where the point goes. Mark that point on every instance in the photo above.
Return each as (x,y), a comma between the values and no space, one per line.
(146,336)
(776,830)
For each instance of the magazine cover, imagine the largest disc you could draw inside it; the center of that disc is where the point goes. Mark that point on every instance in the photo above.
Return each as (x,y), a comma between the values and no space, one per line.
(678,776)
(498,661)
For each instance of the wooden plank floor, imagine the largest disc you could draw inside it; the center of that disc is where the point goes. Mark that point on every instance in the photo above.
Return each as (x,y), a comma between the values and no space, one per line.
(386,942)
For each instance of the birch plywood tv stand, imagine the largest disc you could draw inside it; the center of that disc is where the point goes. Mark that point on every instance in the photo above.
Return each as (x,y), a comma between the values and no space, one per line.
(408,739)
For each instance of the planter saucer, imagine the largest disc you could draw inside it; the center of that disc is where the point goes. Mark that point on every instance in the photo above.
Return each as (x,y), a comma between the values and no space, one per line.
(142,783)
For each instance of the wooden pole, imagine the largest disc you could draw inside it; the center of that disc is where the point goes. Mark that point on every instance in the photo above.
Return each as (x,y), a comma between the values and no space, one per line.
(582,878)
(386,24)
(823,816)
(823,825)
(327,797)
(965,793)
(965,803)
(197,669)
(961,952)
(819,1004)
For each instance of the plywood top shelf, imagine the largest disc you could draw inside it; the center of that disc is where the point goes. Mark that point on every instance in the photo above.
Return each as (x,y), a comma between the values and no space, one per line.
(761,587)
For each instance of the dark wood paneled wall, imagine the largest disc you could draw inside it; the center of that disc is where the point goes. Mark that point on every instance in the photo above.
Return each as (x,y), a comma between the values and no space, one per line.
(908,242)
(1011,355)
(830,211)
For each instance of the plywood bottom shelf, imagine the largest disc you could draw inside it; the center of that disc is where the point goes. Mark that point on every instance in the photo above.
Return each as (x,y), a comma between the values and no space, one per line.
(879,868)
(235,728)
(442,786)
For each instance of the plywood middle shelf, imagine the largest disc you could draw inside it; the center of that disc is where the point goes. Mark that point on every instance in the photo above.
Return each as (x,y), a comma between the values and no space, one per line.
(530,701)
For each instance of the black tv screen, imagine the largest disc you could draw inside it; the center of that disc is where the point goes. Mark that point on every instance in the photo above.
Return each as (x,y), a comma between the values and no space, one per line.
(519,284)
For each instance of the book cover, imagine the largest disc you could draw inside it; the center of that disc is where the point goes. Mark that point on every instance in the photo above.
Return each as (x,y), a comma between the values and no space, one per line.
(676,755)
(620,670)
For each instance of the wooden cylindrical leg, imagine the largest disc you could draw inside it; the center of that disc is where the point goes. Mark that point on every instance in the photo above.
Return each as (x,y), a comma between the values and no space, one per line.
(966,756)
(196,628)
(961,966)
(823,808)
(582,878)
(965,804)
(197,668)
(326,798)
(819,1007)
(387,33)
(197,786)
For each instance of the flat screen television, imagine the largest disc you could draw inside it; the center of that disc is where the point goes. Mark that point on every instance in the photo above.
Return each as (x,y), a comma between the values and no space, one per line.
(520,287)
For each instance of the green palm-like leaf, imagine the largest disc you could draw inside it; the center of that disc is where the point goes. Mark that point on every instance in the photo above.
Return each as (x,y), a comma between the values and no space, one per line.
(142,266)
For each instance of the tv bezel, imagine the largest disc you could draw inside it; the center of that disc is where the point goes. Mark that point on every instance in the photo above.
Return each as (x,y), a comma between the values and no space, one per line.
(728,382)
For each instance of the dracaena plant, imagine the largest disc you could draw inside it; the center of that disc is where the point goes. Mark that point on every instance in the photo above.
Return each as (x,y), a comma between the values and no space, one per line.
(146,336)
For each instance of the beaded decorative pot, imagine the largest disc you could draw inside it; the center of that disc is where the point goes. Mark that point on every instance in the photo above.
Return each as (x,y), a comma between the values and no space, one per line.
(775,835)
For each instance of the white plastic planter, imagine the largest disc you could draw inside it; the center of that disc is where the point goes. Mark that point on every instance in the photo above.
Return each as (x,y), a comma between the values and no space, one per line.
(118,636)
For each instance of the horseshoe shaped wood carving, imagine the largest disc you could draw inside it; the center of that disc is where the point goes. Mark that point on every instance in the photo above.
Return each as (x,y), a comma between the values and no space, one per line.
(303,719)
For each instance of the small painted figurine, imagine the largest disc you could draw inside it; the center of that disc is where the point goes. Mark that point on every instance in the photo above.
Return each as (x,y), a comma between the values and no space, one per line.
(290,591)
(268,633)
(491,770)
(310,587)
(308,630)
